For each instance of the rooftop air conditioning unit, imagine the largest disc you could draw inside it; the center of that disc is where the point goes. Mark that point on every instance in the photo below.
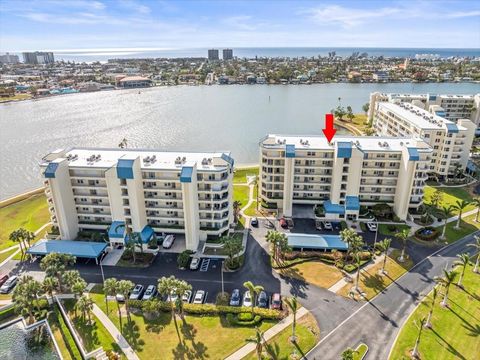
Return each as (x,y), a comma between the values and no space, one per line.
(184,159)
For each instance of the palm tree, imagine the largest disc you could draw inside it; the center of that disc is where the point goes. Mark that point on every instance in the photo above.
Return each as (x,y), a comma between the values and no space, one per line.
(357,277)
(15,236)
(181,287)
(49,285)
(71,277)
(79,288)
(85,306)
(420,327)
(476,203)
(25,296)
(353,240)
(446,280)
(110,289)
(476,245)
(293,306)
(460,206)
(54,264)
(124,287)
(463,261)
(29,236)
(384,246)
(403,237)
(254,291)
(236,210)
(258,341)
(447,211)
(166,287)
(428,324)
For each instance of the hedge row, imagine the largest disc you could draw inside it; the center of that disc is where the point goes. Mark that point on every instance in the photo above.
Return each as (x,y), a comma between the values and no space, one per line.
(204,309)
(240,320)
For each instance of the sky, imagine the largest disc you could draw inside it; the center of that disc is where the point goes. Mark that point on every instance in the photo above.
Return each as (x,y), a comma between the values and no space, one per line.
(123,25)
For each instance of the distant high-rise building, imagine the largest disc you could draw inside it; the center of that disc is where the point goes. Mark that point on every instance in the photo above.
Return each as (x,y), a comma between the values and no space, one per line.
(38,57)
(213,54)
(9,59)
(227,54)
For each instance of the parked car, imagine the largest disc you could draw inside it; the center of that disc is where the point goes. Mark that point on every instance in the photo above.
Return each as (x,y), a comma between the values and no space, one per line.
(120,297)
(195,264)
(187,297)
(199,297)
(262,300)
(254,221)
(268,224)
(3,279)
(372,226)
(137,292)
(283,223)
(247,299)
(236,297)
(8,285)
(276,302)
(150,292)
(327,225)
(168,241)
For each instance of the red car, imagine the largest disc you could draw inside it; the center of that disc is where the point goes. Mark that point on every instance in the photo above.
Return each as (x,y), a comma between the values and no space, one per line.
(276,302)
(3,279)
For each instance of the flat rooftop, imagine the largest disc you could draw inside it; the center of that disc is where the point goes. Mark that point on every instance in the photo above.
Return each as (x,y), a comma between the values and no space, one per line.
(163,160)
(418,117)
(365,143)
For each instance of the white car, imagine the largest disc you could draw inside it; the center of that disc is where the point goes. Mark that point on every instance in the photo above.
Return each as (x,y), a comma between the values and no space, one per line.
(120,298)
(372,226)
(150,292)
(168,241)
(8,285)
(327,225)
(195,263)
(247,299)
(173,296)
(187,296)
(137,292)
(199,297)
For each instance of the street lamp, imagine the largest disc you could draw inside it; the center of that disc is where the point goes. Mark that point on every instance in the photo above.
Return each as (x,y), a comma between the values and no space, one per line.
(376,235)
(223,290)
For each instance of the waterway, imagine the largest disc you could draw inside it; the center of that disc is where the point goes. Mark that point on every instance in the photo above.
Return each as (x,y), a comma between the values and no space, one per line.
(195,118)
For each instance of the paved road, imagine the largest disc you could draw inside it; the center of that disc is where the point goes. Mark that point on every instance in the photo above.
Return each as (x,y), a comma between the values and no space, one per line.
(377,322)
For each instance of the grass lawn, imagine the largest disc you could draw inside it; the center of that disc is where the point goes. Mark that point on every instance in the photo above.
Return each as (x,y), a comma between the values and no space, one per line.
(240,193)
(31,214)
(252,209)
(361,351)
(372,283)
(456,331)
(93,335)
(314,272)
(467,226)
(195,337)
(6,254)
(240,175)
(307,333)
(16,97)
(63,336)
(450,196)
(384,229)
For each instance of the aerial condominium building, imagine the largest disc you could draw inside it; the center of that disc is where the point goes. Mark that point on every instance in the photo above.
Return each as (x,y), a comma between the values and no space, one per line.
(343,175)
(450,141)
(147,190)
(450,107)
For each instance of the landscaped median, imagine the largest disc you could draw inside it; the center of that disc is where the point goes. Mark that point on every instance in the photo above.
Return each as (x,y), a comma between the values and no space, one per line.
(205,331)
(455,331)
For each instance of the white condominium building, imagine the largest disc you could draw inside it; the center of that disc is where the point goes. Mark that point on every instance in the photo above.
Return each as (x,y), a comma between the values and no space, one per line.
(450,141)
(450,107)
(150,191)
(342,175)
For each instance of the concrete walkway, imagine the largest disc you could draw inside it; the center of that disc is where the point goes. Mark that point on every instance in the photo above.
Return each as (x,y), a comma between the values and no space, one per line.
(267,335)
(112,258)
(112,329)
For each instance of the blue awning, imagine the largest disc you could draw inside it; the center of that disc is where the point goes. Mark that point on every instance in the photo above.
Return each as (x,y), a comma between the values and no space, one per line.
(50,170)
(452,128)
(186,174)
(81,249)
(116,230)
(228,159)
(344,149)
(352,203)
(146,234)
(432,97)
(440,113)
(413,154)
(310,241)
(125,169)
(333,208)
(290,151)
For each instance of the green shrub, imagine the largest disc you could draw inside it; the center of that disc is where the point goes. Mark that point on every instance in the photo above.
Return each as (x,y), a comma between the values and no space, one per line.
(222,299)
(434,233)
(248,316)
(343,225)
(243,319)
(7,313)
(183,259)
(392,228)
(363,226)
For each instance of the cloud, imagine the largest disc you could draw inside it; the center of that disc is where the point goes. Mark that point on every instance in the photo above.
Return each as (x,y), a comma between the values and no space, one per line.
(135,6)
(462,14)
(73,19)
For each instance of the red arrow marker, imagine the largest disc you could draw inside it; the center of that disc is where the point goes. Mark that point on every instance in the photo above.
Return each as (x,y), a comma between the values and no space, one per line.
(329,131)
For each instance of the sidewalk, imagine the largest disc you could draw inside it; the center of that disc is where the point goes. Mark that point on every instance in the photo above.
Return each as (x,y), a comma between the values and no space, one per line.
(267,335)
(112,329)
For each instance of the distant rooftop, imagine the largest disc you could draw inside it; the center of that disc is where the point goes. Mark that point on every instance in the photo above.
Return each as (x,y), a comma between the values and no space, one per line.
(150,159)
(418,117)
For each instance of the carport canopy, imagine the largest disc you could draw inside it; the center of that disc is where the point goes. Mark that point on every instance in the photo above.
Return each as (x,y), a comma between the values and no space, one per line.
(80,249)
(321,242)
